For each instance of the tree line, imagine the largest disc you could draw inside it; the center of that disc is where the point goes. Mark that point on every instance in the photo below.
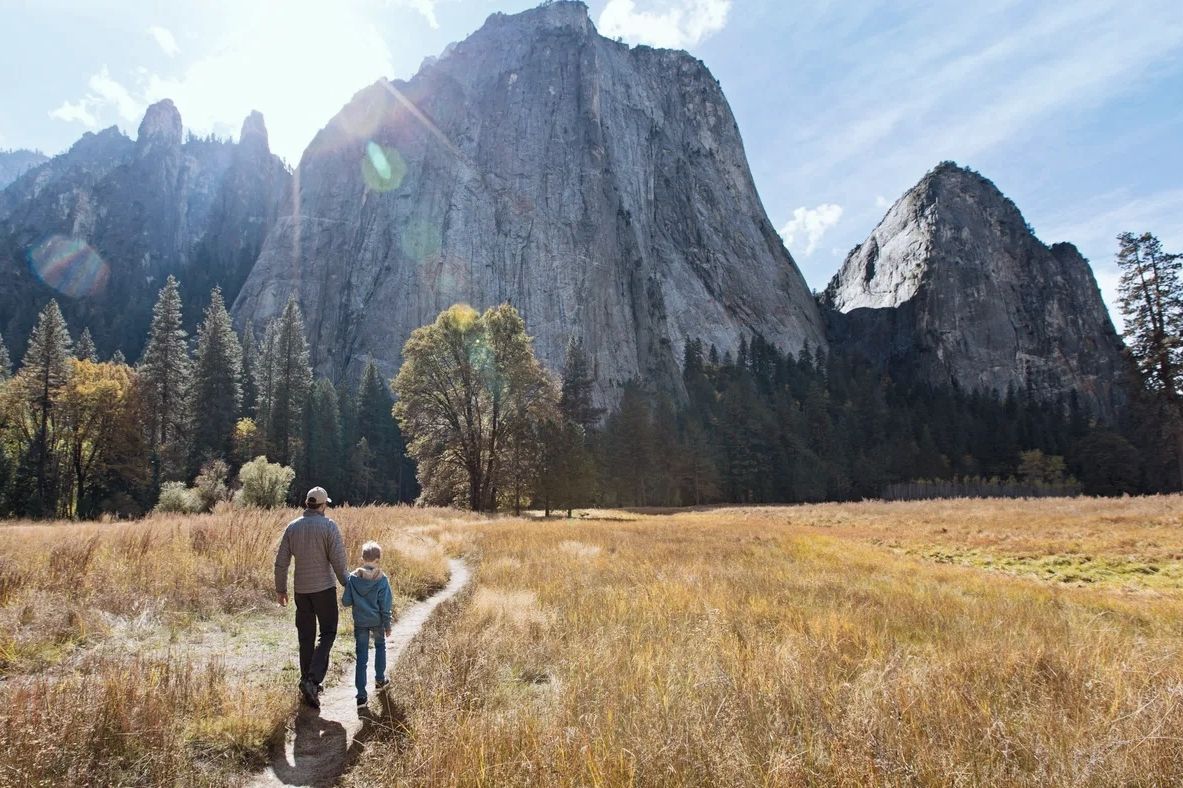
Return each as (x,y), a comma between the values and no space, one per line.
(487,427)
(80,437)
(490,430)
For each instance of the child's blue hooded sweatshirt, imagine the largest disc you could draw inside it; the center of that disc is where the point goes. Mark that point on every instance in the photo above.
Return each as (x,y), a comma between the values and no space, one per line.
(367,591)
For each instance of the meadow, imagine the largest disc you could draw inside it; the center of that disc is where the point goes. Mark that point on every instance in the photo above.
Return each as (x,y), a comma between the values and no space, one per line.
(936,643)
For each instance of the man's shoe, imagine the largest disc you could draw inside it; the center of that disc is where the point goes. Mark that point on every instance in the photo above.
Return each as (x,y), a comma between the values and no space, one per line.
(311,693)
(362,703)
(383,684)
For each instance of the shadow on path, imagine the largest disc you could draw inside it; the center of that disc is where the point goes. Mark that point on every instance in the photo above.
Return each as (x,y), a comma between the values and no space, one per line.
(321,746)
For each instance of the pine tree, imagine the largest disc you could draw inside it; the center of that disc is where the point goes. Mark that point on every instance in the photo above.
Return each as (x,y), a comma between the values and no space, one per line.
(575,400)
(85,349)
(250,362)
(5,362)
(118,358)
(291,379)
(217,385)
(1151,297)
(165,371)
(45,371)
(320,457)
(375,423)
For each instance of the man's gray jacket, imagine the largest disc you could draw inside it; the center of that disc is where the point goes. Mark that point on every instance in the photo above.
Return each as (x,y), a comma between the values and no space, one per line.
(315,542)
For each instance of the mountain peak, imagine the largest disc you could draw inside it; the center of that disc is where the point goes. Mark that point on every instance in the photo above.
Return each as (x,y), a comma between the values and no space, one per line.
(161,124)
(254,131)
(953,284)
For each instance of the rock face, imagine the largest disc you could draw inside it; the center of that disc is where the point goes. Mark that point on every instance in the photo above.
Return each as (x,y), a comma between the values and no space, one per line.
(601,190)
(101,226)
(15,163)
(953,286)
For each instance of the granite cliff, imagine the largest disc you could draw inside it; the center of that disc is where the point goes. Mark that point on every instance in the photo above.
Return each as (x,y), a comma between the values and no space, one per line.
(101,226)
(953,286)
(601,190)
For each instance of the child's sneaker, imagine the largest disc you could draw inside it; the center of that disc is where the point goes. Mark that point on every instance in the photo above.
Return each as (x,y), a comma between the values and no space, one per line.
(362,702)
(382,684)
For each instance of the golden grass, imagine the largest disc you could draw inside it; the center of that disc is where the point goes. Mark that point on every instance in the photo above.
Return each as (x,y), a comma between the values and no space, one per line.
(799,645)
(937,643)
(153,652)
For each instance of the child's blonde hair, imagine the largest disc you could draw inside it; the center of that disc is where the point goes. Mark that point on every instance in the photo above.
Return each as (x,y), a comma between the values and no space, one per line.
(371,551)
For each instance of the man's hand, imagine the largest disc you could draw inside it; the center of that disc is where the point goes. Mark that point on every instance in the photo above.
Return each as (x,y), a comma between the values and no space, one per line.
(282,599)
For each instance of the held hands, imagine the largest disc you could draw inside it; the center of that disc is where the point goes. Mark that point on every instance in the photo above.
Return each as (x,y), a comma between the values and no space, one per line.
(388,630)
(282,599)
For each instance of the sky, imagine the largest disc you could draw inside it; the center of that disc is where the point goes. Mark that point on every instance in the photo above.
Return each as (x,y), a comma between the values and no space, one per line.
(1074,109)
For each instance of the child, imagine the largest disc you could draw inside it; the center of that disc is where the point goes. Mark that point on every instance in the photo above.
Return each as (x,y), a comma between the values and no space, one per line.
(367,590)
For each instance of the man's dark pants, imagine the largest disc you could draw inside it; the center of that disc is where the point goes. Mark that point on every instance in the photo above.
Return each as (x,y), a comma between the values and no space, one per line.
(312,609)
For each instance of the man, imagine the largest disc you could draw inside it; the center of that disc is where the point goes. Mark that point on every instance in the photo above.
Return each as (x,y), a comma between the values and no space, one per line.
(315,542)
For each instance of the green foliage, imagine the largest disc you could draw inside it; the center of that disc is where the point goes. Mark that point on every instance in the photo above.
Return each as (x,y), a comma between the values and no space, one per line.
(1151,296)
(85,349)
(165,369)
(217,385)
(45,372)
(469,391)
(210,484)
(5,362)
(321,456)
(288,376)
(770,427)
(176,498)
(264,484)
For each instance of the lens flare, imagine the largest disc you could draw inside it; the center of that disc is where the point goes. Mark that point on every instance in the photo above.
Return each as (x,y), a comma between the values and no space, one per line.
(382,168)
(70,266)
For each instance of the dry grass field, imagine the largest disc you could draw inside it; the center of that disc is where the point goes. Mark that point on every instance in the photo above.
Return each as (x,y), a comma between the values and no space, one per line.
(153,653)
(939,643)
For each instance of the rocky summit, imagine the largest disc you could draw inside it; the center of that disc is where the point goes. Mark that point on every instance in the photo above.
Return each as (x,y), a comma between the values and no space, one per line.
(602,190)
(954,286)
(101,226)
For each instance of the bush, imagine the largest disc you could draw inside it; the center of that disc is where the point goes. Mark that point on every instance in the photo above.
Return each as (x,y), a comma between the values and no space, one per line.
(264,484)
(176,498)
(210,484)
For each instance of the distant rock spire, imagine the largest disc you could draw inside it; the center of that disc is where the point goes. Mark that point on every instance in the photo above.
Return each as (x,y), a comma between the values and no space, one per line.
(161,126)
(254,132)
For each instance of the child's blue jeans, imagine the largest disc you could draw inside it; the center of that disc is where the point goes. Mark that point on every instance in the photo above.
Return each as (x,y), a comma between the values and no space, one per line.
(362,641)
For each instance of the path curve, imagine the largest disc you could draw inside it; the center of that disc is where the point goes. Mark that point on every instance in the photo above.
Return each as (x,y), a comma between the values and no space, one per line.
(319,746)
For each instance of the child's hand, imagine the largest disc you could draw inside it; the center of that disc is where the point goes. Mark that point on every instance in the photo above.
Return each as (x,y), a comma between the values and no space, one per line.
(387,630)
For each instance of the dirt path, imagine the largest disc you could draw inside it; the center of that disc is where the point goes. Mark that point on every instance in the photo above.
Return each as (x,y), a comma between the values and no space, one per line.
(321,744)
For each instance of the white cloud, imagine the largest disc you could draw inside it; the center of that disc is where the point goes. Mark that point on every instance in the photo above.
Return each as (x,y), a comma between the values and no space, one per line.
(882,202)
(675,24)
(75,112)
(103,92)
(810,225)
(166,41)
(426,9)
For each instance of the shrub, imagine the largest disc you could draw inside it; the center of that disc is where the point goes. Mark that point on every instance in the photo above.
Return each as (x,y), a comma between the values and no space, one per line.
(176,498)
(264,484)
(210,485)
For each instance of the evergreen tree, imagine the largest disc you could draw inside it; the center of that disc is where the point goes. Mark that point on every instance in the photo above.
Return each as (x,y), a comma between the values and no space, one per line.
(291,379)
(575,400)
(5,362)
(85,349)
(217,386)
(264,375)
(165,369)
(320,458)
(1151,297)
(118,358)
(45,371)
(375,422)
(250,363)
